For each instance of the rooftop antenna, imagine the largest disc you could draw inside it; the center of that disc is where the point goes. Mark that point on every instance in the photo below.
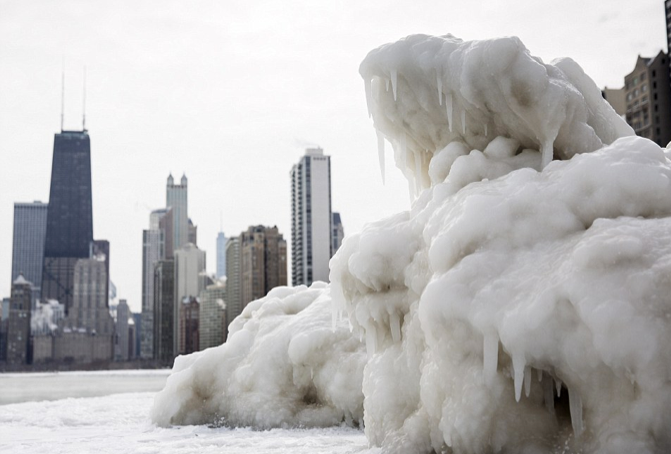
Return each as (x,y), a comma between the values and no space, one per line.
(62,93)
(84,103)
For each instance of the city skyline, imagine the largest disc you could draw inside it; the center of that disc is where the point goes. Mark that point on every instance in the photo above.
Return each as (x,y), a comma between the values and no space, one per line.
(231,97)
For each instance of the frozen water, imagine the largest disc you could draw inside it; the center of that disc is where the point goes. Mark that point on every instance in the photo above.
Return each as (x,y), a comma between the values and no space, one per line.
(507,264)
(120,424)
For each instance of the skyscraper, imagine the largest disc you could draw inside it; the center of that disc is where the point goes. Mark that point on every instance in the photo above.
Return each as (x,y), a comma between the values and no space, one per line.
(176,198)
(263,254)
(212,325)
(18,331)
(69,230)
(190,280)
(221,255)
(164,304)
(153,250)
(338,233)
(233,279)
(311,218)
(30,226)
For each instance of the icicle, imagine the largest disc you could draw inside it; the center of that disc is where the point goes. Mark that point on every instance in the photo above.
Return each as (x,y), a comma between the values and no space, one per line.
(490,356)
(485,129)
(519,364)
(394,75)
(463,121)
(312,373)
(386,81)
(380,152)
(546,153)
(439,83)
(527,381)
(371,339)
(395,322)
(575,405)
(448,108)
(548,396)
(558,385)
(369,96)
(418,173)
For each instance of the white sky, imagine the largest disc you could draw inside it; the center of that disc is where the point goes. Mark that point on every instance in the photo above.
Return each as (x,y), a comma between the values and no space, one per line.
(231,92)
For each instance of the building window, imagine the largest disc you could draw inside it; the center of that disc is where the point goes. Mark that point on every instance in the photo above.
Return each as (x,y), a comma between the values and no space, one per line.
(644,88)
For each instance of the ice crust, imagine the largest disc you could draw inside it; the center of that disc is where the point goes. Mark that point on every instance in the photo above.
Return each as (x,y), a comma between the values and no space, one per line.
(283,366)
(521,305)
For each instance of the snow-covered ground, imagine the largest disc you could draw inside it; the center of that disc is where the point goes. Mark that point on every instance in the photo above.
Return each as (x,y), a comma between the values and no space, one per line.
(120,424)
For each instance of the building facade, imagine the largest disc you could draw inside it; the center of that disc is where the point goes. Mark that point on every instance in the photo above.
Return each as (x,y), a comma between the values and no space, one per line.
(190,280)
(213,324)
(122,340)
(338,233)
(30,228)
(69,231)
(233,279)
(164,317)
(263,253)
(18,327)
(221,255)
(188,325)
(648,98)
(311,218)
(176,198)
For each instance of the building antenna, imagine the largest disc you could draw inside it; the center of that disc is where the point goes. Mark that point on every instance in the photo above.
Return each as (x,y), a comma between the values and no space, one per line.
(62,94)
(84,103)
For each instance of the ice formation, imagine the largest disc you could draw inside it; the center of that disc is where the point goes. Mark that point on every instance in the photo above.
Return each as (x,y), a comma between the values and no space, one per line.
(521,305)
(282,366)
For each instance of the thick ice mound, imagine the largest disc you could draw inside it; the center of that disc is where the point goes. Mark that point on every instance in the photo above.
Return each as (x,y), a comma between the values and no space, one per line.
(427,91)
(511,310)
(522,305)
(282,366)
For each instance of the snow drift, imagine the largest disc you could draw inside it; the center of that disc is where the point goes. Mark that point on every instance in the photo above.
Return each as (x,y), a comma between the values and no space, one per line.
(521,304)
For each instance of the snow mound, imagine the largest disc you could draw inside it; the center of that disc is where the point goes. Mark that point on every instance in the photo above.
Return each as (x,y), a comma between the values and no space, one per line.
(521,305)
(511,310)
(282,366)
(425,92)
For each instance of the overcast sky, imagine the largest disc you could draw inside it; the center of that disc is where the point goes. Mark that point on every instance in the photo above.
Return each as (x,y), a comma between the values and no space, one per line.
(231,92)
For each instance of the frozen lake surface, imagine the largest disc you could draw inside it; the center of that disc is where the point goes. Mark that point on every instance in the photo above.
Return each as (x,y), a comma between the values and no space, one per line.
(119,423)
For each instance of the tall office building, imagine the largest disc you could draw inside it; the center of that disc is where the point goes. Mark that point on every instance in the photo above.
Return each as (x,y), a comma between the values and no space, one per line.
(122,351)
(212,326)
(153,250)
(176,198)
(189,317)
(190,280)
(69,230)
(164,304)
(311,218)
(221,255)
(233,279)
(18,329)
(30,227)
(648,98)
(263,254)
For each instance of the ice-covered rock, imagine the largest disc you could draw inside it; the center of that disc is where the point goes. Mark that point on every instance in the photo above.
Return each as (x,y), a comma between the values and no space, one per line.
(282,366)
(521,305)
(510,282)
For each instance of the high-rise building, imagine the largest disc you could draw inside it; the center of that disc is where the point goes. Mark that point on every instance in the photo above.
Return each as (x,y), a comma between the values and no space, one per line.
(164,304)
(213,324)
(123,342)
(153,250)
(221,255)
(667,7)
(311,218)
(648,98)
(30,227)
(338,233)
(190,280)
(176,198)
(18,328)
(188,326)
(233,279)
(69,230)
(193,233)
(263,253)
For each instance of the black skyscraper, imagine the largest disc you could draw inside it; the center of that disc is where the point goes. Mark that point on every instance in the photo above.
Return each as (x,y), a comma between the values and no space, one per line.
(69,216)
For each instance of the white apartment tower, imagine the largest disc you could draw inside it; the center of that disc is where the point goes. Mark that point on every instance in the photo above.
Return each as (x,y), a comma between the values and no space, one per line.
(221,255)
(311,218)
